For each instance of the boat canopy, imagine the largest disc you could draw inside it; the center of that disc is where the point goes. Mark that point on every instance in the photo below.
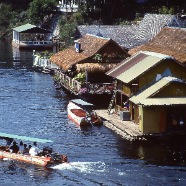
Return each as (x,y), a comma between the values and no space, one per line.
(23,138)
(81,102)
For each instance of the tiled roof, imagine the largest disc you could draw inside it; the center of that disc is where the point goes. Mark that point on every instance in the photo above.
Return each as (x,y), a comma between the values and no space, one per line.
(170,41)
(130,36)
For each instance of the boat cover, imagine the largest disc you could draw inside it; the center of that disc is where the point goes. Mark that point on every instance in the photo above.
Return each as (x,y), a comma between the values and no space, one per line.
(24,138)
(81,102)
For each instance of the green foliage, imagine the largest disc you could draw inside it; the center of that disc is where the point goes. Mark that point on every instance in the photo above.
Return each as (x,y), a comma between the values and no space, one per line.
(165,10)
(39,9)
(81,77)
(97,57)
(45,53)
(5,15)
(67,30)
(77,18)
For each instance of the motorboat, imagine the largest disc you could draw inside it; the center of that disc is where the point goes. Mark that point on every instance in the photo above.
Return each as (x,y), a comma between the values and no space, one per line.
(44,158)
(82,113)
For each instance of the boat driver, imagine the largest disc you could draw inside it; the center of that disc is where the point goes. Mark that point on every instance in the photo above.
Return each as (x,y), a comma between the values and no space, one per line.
(34,150)
(14,148)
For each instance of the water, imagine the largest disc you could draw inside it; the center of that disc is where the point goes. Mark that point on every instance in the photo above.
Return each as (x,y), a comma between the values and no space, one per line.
(31,106)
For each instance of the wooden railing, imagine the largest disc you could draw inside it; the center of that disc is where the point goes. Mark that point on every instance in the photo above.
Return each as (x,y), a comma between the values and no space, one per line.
(77,88)
(36,42)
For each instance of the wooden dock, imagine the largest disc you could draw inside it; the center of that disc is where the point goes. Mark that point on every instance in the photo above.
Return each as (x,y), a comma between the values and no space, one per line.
(126,129)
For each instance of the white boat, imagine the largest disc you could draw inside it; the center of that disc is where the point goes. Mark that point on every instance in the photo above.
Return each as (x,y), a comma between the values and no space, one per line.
(82,114)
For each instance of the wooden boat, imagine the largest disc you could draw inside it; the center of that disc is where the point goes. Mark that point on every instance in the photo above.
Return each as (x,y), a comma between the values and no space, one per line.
(45,158)
(81,113)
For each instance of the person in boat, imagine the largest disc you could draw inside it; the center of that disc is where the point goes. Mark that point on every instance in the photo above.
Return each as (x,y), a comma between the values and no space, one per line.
(94,117)
(21,147)
(29,147)
(14,148)
(34,150)
(9,141)
(25,149)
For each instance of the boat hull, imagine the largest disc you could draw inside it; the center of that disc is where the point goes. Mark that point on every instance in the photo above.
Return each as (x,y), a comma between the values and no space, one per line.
(77,115)
(36,160)
(81,117)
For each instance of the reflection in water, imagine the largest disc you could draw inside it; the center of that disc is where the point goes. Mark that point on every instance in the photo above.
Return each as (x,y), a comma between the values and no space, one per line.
(170,152)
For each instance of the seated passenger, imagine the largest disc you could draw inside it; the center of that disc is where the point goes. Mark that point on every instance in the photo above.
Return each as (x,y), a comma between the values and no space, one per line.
(25,149)
(21,147)
(14,148)
(34,150)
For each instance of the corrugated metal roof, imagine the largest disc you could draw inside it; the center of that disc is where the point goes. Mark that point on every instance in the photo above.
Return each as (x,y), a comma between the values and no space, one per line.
(143,97)
(136,65)
(164,101)
(28,28)
(24,27)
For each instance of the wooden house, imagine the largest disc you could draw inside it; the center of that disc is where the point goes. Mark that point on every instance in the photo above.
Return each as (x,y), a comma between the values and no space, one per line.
(93,56)
(31,37)
(137,73)
(161,107)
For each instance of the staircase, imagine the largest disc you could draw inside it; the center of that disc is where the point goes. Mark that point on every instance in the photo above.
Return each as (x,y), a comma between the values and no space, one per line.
(112,101)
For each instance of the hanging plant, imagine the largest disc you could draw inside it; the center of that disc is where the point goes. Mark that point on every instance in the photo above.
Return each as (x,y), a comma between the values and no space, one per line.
(98,57)
(81,77)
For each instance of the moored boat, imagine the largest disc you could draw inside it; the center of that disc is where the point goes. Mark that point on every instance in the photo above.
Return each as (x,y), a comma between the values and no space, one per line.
(81,113)
(44,158)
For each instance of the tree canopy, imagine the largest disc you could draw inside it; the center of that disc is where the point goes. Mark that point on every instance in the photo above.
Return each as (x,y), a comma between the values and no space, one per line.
(38,9)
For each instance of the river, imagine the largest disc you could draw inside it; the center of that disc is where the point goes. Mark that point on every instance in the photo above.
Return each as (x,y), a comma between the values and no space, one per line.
(31,106)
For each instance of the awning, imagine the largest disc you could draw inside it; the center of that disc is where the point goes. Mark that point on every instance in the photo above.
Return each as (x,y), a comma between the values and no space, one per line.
(81,102)
(24,138)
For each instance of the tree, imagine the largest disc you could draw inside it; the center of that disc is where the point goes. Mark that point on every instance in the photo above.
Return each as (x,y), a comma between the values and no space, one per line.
(39,9)
(5,15)
(67,30)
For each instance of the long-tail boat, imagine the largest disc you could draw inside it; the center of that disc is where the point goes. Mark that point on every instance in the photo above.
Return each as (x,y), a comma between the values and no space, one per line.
(45,158)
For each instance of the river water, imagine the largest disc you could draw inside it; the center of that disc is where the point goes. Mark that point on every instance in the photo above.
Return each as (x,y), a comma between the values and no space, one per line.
(31,106)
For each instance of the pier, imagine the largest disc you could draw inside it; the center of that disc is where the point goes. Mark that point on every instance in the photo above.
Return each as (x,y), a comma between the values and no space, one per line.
(126,129)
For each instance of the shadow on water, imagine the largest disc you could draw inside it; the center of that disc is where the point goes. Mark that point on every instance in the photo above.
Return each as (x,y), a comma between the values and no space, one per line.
(166,152)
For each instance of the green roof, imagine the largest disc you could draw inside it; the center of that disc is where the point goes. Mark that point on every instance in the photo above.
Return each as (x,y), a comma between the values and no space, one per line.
(24,27)
(144,97)
(81,102)
(28,28)
(24,138)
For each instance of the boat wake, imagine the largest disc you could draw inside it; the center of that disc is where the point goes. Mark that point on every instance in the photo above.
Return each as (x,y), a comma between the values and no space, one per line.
(87,167)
